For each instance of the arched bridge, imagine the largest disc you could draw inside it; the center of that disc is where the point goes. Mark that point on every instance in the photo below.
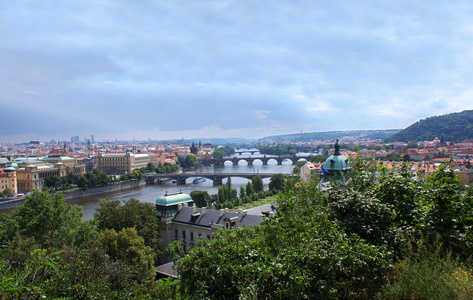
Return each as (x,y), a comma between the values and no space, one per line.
(241,151)
(217,178)
(264,159)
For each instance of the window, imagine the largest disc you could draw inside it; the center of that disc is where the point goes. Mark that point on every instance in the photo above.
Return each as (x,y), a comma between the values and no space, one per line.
(192,235)
(184,235)
(175,232)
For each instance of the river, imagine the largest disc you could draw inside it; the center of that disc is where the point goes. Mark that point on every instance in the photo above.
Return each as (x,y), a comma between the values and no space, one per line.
(149,193)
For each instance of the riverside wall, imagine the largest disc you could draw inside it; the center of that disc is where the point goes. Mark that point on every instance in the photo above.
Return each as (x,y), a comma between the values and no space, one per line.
(6,204)
(104,189)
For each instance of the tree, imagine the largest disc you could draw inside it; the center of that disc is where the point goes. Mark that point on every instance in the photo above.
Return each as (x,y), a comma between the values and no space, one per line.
(257,182)
(412,144)
(217,154)
(190,161)
(52,182)
(8,192)
(82,182)
(110,214)
(318,158)
(242,191)
(250,190)
(127,246)
(200,198)
(276,182)
(48,219)
(150,167)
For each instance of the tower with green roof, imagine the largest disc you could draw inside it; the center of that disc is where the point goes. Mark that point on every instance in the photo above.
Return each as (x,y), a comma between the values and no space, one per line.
(336,167)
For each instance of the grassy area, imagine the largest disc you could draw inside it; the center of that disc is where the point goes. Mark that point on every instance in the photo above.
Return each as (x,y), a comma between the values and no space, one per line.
(259,203)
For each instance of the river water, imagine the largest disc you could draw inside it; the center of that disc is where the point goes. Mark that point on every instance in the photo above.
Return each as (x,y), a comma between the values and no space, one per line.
(149,193)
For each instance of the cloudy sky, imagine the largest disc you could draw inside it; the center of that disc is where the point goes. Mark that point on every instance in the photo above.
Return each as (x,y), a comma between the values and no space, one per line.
(123,69)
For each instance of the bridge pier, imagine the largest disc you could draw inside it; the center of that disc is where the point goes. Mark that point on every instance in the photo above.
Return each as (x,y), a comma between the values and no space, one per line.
(280,162)
(250,162)
(217,180)
(180,180)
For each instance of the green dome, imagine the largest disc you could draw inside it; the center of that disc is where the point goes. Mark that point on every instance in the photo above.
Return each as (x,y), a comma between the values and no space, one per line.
(173,199)
(337,162)
(10,169)
(168,147)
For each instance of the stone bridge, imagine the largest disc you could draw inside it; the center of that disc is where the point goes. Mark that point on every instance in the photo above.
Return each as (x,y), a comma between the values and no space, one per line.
(264,159)
(217,178)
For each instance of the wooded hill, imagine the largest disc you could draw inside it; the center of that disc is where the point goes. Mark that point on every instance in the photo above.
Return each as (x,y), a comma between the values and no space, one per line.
(455,127)
(330,135)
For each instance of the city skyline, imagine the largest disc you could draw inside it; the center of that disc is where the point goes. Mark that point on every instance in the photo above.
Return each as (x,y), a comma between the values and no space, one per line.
(226,69)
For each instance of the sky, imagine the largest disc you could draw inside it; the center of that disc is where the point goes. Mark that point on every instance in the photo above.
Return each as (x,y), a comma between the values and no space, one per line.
(172,69)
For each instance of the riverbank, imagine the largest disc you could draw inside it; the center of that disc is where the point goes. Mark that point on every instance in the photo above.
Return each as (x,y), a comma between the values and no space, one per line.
(69,195)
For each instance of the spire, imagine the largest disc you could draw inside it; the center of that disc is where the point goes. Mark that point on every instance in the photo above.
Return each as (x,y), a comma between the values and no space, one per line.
(337,149)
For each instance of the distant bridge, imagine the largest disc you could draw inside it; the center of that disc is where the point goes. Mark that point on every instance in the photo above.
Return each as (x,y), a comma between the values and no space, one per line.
(217,178)
(264,159)
(241,151)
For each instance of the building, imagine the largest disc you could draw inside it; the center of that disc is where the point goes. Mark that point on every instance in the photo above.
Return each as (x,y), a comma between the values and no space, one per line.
(180,219)
(31,172)
(8,180)
(121,163)
(335,167)
(310,171)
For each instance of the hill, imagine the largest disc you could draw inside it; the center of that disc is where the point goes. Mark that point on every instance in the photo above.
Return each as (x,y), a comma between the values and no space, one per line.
(330,135)
(455,127)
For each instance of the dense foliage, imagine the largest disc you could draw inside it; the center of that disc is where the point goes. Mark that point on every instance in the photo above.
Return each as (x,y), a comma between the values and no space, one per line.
(387,234)
(161,168)
(51,253)
(362,240)
(454,127)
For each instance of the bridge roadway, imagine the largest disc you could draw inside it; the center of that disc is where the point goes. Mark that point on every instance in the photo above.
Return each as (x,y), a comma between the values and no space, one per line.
(250,160)
(217,178)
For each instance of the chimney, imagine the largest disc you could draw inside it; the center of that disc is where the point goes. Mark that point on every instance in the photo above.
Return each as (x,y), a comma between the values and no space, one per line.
(222,211)
(179,206)
(244,212)
(193,209)
(202,211)
(226,209)
(184,204)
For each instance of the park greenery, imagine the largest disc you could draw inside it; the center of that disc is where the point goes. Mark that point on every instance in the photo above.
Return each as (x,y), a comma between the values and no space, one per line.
(387,234)
(161,168)
(189,162)
(94,178)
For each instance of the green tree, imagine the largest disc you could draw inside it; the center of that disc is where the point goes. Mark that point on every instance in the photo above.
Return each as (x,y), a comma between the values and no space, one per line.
(110,214)
(82,182)
(318,158)
(277,182)
(128,246)
(52,182)
(8,192)
(257,182)
(150,167)
(48,219)
(250,190)
(217,154)
(242,192)
(200,198)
